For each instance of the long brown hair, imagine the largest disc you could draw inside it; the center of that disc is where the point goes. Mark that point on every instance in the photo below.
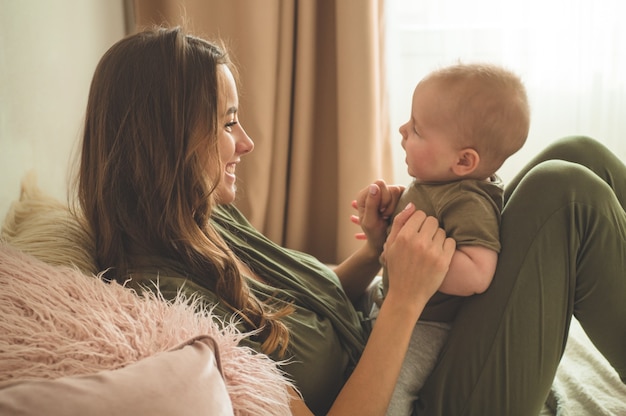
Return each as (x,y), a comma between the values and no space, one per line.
(150,165)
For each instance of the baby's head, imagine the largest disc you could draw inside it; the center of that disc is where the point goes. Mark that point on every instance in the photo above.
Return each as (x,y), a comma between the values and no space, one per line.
(474,115)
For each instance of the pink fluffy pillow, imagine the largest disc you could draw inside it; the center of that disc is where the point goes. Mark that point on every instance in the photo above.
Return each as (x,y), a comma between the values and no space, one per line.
(57,322)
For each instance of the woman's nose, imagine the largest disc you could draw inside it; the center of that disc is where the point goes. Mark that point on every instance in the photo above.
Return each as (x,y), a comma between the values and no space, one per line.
(244,142)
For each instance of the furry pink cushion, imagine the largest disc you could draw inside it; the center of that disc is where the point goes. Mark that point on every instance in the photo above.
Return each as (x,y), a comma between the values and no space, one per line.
(58,322)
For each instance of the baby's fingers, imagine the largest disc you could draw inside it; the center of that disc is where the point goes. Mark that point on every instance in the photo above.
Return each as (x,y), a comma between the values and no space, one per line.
(390,195)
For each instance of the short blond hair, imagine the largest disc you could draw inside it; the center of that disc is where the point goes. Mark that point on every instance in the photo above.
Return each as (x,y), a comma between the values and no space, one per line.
(489,107)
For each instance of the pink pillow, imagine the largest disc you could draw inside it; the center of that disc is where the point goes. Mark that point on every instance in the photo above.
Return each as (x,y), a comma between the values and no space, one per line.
(184,381)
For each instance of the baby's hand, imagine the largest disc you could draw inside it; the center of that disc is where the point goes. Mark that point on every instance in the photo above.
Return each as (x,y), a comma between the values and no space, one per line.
(374,205)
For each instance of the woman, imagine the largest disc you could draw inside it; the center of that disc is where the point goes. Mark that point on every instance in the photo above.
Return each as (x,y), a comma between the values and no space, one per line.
(156,182)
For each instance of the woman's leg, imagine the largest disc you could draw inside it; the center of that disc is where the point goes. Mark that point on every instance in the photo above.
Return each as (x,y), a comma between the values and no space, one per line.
(584,151)
(563,253)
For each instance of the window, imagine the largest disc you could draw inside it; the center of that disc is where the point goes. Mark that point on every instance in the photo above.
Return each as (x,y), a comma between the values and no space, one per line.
(571,54)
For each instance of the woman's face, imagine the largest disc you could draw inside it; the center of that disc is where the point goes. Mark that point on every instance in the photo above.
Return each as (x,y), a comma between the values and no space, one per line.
(232,139)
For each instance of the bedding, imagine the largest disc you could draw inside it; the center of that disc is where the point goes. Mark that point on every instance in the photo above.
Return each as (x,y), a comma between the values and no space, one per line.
(585,383)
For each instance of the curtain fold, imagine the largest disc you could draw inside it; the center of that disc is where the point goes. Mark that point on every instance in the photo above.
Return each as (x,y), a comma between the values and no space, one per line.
(312,97)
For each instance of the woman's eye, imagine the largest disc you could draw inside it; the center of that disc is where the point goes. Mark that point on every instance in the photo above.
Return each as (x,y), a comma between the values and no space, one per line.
(230,124)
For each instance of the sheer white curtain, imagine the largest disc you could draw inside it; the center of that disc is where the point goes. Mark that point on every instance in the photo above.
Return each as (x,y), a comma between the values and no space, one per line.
(571,55)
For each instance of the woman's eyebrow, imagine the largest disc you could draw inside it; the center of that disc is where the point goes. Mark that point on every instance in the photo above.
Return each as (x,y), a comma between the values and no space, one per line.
(231,110)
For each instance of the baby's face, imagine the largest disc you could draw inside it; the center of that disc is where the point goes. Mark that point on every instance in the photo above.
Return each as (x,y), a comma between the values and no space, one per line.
(427,137)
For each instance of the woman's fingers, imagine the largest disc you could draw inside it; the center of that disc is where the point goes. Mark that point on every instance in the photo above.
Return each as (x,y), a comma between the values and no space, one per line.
(417,253)
(401,219)
(380,196)
(429,228)
(398,223)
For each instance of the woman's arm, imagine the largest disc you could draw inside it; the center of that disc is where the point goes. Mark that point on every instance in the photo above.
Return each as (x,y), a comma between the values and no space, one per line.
(369,388)
(416,268)
(358,271)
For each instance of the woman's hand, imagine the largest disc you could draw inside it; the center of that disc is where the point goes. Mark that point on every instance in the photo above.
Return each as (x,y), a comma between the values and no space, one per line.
(374,205)
(417,255)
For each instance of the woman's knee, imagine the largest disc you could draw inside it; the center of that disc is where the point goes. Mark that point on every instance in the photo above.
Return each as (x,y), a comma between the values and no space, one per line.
(583,150)
(564,180)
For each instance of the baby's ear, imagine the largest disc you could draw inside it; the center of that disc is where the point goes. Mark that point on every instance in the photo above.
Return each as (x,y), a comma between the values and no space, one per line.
(467,162)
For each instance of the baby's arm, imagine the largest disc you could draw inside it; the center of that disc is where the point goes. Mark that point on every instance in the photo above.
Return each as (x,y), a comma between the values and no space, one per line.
(471,271)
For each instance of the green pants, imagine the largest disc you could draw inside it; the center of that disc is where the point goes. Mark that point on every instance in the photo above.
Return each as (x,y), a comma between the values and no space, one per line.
(563,253)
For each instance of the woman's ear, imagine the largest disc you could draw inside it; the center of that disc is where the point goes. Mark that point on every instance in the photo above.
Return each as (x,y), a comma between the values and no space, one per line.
(467,162)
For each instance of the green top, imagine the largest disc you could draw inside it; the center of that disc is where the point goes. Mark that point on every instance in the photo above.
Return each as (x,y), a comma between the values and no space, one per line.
(327,335)
(469,210)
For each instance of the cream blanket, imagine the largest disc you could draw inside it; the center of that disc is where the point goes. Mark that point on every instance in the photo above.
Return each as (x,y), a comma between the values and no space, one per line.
(585,383)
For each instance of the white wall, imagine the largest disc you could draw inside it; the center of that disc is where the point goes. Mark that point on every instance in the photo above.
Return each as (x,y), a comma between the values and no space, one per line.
(48,52)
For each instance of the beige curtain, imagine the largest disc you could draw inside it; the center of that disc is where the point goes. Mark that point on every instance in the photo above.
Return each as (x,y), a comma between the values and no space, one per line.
(313,98)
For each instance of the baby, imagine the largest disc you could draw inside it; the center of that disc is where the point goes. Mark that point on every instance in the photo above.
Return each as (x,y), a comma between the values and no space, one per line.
(466,120)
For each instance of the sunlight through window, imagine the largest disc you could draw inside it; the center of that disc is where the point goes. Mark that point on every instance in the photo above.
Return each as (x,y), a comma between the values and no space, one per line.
(571,55)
